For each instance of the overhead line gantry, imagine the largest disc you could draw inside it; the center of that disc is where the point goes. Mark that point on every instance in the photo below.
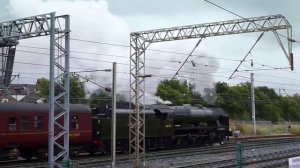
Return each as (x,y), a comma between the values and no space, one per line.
(140,41)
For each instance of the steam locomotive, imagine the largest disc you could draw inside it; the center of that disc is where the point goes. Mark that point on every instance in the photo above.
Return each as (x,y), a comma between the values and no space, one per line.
(24,128)
(167,126)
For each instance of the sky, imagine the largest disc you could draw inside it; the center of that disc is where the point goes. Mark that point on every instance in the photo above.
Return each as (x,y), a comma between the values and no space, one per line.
(111,21)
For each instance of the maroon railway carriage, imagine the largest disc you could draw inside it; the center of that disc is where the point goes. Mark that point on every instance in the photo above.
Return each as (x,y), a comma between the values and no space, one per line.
(24,129)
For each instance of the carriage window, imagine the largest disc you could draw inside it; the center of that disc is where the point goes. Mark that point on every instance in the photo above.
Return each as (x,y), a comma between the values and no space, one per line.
(38,122)
(12,124)
(4,101)
(75,122)
(25,123)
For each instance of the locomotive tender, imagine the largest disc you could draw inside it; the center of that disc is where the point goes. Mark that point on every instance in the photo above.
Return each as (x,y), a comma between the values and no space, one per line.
(24,128)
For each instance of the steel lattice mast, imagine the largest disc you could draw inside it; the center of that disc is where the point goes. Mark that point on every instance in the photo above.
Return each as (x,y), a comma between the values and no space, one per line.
(139,41)
(58,28)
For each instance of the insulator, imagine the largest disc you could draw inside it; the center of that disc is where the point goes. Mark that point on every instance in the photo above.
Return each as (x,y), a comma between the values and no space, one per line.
(292,61)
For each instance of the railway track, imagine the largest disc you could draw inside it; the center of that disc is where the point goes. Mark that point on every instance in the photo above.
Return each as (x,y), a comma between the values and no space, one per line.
(255,152)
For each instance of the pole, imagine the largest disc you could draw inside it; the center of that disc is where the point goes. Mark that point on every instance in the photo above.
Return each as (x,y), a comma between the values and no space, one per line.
(66,159)
(253,104)
(239,155)
(113,117)
(51,94)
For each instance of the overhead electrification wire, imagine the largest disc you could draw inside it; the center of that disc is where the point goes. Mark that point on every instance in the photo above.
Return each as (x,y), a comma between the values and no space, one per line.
(147,49)
(97,42)
(271,68)
(124,56)
(91,81)
(113,55)
(197,80)
(187,58)
(194,80)
(225,9)
(147,59)
(287,84)
(263,69)
(128,73)
(292,40)
(153,59)
(249,52)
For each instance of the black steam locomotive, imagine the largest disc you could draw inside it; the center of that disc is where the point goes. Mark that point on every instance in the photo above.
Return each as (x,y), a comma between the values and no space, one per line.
(165,126)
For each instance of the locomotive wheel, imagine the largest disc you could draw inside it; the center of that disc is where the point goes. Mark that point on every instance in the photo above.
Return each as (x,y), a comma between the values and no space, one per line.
(75,152)
(223,140)
(177,142)
(167,142)
(14,153)
(208,142)
(182,142)
(107,147)
(124,145)
(151,143)
(42,155)
(92,150)
(201,141)
(186,142)
(148,143)
(27,154)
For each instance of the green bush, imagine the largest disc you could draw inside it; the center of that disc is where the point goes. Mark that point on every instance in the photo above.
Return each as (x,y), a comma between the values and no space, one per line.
(262,131)
(246,129)
(278,129)
(294,130)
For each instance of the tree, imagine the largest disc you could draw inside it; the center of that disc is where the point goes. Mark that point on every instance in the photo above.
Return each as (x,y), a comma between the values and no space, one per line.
(100,97)
(43,88)
(178,92)
(290,106)
(221,87)
(77,93)
(268,104)
(235,100)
